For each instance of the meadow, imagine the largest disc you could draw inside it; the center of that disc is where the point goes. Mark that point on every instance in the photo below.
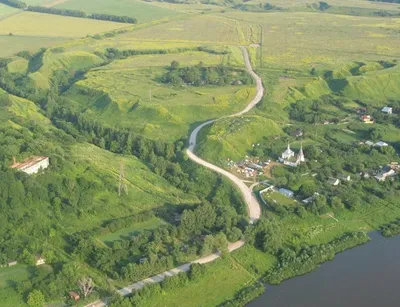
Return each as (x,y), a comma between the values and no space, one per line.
(154,109)
(233,138)
(35,24)
(141,10)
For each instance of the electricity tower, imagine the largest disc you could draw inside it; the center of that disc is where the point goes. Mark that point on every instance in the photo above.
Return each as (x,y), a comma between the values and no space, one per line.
(122,187)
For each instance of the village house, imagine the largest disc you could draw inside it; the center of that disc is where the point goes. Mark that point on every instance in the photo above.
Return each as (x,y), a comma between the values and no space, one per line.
(297,133)
(75,296)
(369,143)
(40,260)
(344,177)
(310,199)
(367,119)
(32,165)
(381,144)
(386,172)
(387,110)
(334,181)
(289,158)
(361,111)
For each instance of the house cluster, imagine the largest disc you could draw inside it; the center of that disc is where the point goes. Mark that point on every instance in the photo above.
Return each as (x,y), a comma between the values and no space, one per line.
(32,165)
(289,157)
(372,144)
(250,167)
(388,171)
(365,118)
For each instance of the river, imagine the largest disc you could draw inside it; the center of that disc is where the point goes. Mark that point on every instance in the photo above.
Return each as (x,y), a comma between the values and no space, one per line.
(365,276)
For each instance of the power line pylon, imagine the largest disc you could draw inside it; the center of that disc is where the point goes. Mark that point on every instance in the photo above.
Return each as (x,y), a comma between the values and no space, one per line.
(122,187)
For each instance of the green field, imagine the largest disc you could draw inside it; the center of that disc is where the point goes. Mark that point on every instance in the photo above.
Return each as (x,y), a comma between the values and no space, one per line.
(233,138)
(9,276)
(131,231)
(6,10)
(133,8)
(35,24)
(216,286)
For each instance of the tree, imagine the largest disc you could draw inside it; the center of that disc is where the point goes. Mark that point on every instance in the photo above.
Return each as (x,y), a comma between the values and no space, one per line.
(175,65)
(86,285)
(307,189)
(35,299)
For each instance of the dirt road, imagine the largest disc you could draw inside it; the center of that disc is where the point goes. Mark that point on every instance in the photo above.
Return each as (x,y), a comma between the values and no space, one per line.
(251,202)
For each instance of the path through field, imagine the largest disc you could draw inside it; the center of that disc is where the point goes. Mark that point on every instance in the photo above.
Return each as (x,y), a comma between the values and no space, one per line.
(253,206)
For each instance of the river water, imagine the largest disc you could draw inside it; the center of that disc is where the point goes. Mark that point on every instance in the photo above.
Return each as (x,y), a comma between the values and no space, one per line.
(365,276)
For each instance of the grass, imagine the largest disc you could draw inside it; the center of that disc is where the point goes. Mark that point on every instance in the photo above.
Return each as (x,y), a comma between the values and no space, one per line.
(69,60)
(133,8)
(8,277)
(280,199)
(16,43)
(223,278)
(171,110)
(233,137)
(6,10)
(36,24)
(131,231)
(19,65)
(292,40)
(202,29)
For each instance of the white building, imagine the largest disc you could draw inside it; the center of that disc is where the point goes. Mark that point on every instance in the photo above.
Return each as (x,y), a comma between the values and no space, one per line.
(289,158)
(32,165)
(387,110)
(334,181)
(381,144)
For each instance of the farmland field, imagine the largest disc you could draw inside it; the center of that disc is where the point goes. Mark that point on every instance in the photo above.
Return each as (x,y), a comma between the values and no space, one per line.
(35,24)
(141,10)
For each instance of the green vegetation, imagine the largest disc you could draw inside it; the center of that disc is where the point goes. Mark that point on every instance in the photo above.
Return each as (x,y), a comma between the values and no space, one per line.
(143,11)
(232,138)
(81,14)
(121,99)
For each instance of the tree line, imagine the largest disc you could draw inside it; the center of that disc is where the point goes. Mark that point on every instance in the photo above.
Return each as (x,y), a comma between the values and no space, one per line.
(14,3)
(81,14)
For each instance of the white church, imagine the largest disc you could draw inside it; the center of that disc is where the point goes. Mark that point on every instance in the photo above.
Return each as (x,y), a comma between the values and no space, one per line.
(289,158)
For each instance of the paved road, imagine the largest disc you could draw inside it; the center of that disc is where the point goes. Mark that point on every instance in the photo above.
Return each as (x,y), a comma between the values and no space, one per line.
(251,202)
(160,277)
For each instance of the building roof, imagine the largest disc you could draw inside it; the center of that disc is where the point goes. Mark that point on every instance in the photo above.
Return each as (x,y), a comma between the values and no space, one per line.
(28,163)
(387,109)
(286,192)
(381,144)
(333,181)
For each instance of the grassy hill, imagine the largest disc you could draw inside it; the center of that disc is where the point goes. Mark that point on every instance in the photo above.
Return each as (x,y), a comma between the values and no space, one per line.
(233,137)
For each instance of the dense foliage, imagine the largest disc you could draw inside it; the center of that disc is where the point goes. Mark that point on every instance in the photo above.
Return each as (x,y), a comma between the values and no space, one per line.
(14,3)
(293,262)
(201,75)
(391,229)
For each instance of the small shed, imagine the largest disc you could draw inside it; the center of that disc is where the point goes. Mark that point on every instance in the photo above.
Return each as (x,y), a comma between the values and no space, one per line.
(75,296)
(334,181)
(40,260)
(387,110)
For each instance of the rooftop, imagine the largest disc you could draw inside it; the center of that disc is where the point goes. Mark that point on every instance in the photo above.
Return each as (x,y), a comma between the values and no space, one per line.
(28,163)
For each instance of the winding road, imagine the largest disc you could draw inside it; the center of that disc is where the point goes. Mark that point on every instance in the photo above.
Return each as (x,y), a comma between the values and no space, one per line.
(253,206)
